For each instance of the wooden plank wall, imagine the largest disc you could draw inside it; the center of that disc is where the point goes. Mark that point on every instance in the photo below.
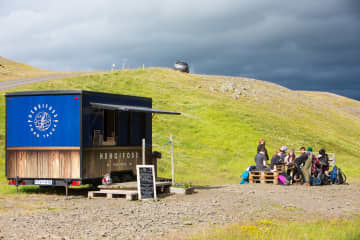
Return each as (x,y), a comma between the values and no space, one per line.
(43,164)
(100,160)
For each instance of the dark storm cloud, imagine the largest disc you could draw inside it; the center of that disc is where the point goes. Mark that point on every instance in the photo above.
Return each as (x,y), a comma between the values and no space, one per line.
(312,45)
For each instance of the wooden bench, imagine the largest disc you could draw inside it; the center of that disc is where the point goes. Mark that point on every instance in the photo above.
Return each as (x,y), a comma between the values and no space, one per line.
(255,177)
(263,177)
(128,194)
(280,168)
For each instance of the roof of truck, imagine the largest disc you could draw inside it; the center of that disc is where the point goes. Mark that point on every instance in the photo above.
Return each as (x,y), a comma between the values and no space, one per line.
(71,92)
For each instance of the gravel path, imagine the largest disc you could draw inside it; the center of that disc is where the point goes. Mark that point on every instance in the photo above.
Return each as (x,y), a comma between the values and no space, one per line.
(41,216)
(19,82)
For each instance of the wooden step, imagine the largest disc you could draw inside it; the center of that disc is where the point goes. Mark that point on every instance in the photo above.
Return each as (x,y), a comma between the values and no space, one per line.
(128,194)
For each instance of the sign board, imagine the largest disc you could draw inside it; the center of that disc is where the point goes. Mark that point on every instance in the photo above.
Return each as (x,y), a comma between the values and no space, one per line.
(146,181)
(43,121)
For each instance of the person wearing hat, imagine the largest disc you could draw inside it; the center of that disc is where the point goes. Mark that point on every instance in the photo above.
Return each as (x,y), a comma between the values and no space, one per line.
(306,169)
(283,154)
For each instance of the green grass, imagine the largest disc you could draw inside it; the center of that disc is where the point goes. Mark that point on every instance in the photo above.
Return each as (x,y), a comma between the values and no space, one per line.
(338,229)
(216,136)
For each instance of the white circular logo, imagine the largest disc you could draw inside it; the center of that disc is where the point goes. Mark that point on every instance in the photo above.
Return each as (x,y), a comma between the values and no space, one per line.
(43,120)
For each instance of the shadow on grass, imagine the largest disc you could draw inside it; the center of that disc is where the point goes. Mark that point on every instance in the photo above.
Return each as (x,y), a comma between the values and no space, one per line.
(208,187)
(73,191)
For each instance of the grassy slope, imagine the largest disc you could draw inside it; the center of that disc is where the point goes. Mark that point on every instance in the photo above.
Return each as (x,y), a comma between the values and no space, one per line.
(10,70)
(334,229)
(216,136)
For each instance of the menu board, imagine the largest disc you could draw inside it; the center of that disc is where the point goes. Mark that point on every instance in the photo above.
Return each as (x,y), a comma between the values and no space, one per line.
(146,181)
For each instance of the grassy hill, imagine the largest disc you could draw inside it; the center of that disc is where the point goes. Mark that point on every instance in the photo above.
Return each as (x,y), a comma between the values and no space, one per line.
(10,70)
(223,118)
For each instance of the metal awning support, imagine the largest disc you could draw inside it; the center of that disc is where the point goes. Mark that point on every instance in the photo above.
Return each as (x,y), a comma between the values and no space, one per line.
(127,108)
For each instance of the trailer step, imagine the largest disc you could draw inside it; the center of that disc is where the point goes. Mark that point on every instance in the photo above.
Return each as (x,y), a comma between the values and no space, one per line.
(128,194)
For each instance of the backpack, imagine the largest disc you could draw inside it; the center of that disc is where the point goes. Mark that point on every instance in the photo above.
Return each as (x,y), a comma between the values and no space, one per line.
(245,177)
(286,176)
(337,176)
(315,181)
(324,160)
(340,177)
(283,180)
(333,174)
(324,179)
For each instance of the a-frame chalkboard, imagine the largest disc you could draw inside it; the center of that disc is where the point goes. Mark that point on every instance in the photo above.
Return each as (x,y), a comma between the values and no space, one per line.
(146,181)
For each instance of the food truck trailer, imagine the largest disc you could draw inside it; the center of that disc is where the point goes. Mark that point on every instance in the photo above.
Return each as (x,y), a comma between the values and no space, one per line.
(63,138)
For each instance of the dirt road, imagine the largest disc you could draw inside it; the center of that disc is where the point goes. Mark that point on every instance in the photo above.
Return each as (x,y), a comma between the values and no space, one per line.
(45,216)
(19,82)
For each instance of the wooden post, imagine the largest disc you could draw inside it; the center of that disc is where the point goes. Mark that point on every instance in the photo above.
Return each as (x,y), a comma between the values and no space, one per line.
(143,151)
(172,161)
(66,191)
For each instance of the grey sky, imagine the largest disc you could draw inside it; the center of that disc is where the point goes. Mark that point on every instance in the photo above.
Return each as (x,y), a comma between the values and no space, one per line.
(312,45)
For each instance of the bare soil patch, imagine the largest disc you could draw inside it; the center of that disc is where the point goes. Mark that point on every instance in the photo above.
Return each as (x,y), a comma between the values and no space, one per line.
(42,216)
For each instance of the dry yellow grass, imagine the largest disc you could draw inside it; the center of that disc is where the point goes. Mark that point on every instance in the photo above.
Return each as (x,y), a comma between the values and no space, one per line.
(11,70)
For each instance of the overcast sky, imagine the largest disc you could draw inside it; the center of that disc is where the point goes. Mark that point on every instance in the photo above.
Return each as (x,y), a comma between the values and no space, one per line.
(308,44)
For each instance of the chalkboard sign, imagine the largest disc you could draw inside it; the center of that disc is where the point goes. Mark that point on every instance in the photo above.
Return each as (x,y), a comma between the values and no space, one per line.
(146,181)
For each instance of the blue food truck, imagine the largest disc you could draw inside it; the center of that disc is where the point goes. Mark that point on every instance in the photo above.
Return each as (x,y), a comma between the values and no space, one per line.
(62,138)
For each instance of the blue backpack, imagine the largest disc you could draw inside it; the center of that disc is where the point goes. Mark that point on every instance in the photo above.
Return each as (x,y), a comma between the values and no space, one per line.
(337,176)
(315,181)
(245,177)
(333,174)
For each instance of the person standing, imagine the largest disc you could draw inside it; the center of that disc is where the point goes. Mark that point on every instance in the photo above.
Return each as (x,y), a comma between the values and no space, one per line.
(306,169)
(300,161)
(261,145)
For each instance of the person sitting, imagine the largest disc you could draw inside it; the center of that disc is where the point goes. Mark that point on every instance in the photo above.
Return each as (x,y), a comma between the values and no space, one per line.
(315,167)
(260,146)
(298,164)
(289,164)
(260,161)
(324,161)
(290,158)
(283,154)
(275,160)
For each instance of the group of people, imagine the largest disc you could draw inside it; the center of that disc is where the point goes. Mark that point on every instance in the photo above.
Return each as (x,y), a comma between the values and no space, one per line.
(300,168)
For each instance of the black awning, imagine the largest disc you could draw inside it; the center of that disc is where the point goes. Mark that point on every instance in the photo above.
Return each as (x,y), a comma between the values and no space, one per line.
(127,108)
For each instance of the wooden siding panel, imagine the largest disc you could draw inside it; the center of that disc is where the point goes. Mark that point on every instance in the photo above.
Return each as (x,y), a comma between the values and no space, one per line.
(11,164)
(55,164)
(43,168)
(43,164)
(31,164)
(100,160)
(67,164)
(62,164)
(75,164)
(21,164)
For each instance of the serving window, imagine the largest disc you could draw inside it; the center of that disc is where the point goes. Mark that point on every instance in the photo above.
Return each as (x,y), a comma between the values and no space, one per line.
(120,128)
